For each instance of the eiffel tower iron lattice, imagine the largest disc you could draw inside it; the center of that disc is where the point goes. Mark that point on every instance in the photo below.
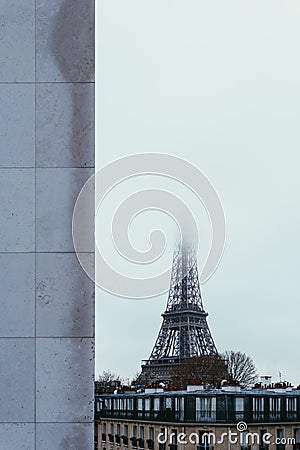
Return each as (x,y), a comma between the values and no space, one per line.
(184,332)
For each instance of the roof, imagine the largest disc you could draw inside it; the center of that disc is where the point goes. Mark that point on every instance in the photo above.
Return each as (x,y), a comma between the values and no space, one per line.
(208,392)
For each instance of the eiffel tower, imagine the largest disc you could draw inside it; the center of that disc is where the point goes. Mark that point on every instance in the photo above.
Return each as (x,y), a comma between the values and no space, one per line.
(184,332)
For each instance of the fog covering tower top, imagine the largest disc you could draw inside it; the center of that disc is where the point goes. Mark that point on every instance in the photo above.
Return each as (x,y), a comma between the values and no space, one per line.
(184,332)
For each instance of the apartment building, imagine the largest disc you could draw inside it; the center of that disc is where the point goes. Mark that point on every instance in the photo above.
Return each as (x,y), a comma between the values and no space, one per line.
(204,419)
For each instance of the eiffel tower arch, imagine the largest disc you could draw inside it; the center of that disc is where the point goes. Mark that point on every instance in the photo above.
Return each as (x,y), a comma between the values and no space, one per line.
(184,332)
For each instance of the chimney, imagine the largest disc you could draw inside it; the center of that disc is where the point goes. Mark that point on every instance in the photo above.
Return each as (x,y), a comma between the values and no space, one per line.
(265,380)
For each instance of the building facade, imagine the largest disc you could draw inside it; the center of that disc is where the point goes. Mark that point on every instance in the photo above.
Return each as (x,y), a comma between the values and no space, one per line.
(228,418)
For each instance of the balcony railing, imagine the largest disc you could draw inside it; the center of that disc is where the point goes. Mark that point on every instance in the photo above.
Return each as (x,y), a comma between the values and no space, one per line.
(150,444)
(173,446)
(133,441)
(206,416)
(141,443)
(205,447)
(224,413)
(219,416)
(124,439)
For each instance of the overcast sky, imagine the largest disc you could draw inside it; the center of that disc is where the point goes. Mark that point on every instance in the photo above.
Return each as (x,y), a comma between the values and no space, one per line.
(218,84)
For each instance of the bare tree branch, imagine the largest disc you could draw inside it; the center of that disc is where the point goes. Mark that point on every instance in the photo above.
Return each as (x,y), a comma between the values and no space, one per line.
(240,368)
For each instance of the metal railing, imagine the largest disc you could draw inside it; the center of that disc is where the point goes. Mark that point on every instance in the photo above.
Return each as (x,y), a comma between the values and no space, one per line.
(189,415)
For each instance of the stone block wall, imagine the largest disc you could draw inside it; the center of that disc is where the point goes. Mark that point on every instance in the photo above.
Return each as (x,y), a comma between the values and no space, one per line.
(46,155)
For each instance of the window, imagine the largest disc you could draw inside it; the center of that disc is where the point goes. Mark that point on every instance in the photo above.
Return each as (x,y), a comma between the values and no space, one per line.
(258,408)
(156,404)
(291,408)
(206,440)
(275,407)
(116,403)
(142,437)
(122,404)
(168,403)
(147,408)
(262,444)
(162,439)
(244,441)
(173,439)
(140,404)
(151,433)
(179,408)
(150,441)
(122,407)
(134,436)
(125,435)
(140,407)
(130,404)
(297,439)
(118,437)
(205,408)
(280,436)
(104,432)
(111,434)
(239,408)
(167,408)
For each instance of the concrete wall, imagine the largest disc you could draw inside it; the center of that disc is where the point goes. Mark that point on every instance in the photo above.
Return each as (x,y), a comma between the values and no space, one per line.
(46,155)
